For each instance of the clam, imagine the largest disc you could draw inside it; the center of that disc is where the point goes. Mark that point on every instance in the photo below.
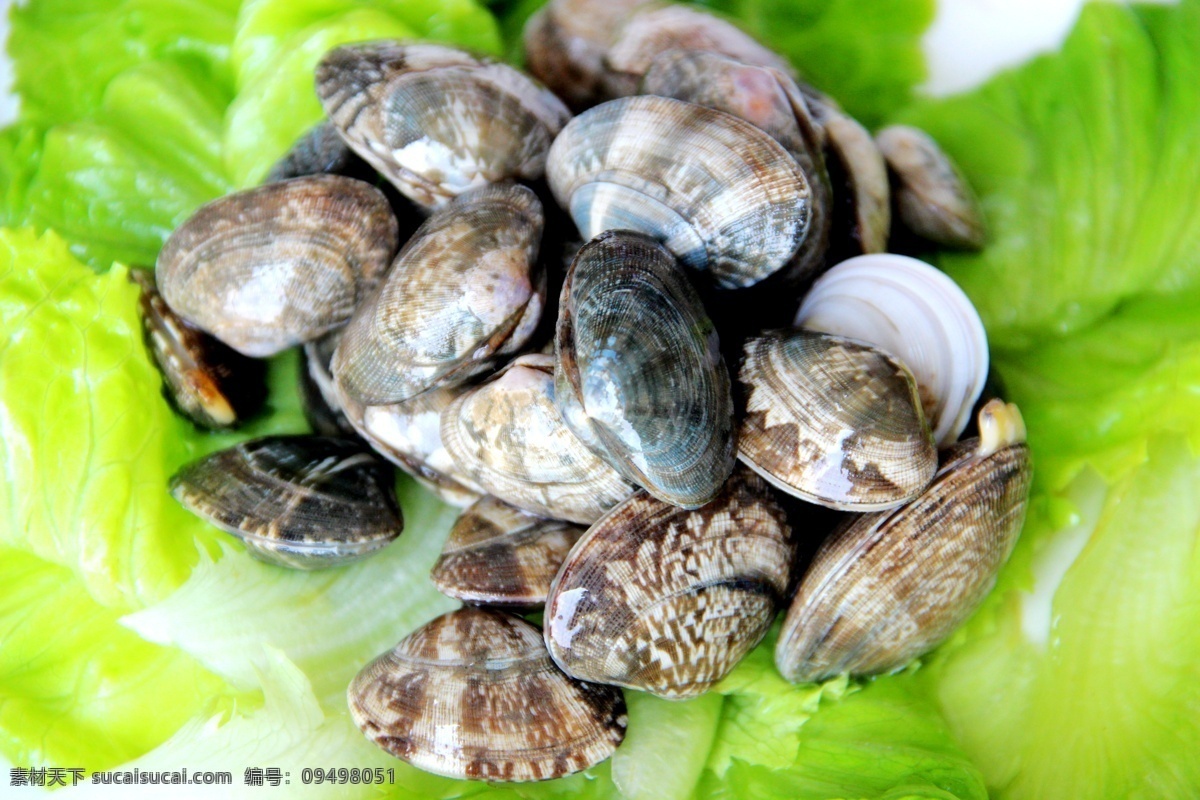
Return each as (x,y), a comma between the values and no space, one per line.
(499,555)
(473,694)
(322,150)
(721,194)
(638,361)
(862,217)
(272,267)
(667,600)
(436,121)
(297,501)
(917,313)
(833,421)
(887,587)
(318,397)
(211,384)
(463,291)
(932,198)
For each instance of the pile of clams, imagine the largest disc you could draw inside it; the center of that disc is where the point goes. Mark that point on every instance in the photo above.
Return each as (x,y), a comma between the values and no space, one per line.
(636,422)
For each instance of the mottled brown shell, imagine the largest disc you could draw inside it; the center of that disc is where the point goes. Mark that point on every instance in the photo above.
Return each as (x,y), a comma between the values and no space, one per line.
(887,587)
(862,217)
(321,150)
(499,555)
(464,290)
(833,421)
(666,600)
(508,436)
(436,121)
(932,197)
(269,268)
(297,501)
(210,383)
(473,694)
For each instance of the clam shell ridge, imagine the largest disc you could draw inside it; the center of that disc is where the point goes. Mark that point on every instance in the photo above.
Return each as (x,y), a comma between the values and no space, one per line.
(721,194)
(637,351)
(272,267)
(833,421)
(297,501)
(498,555)
(473,694)
(887,587)
(437,121)
(507,436)
(667,600)
(464,289)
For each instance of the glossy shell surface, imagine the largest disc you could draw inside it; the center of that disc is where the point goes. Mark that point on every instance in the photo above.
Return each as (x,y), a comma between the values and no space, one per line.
(721,194)
(499,555)
(833,421)
(640,365)
(436,121)
(666,600)
(887,587)
(268,268)
(297,501)
(465,289)
(473,694)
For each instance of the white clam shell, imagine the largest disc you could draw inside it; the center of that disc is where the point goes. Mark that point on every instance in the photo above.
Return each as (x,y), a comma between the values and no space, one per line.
(918,314)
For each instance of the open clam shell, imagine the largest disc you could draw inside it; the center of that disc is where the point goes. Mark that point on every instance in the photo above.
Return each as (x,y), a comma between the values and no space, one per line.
(639,365)
(473,694)
(305,502)
(833,421)
(666,600)
(436,121)
(887,587)
(721,194)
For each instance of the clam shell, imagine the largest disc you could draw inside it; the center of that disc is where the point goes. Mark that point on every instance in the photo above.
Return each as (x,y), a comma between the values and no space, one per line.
(499,555)
(209,383)
(637,353)
(465,289)
(665,600)
(320,151)
(863,214)
(721,194)
(437,121)
(508,437)
(833,421)
(305,502)
(272,267)
(473,694)
(318,397)
(917,313)
(932,197)
(887,587)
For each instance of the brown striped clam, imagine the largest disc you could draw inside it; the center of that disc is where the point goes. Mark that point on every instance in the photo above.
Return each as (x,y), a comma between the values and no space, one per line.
(833,421)
(508,437)
(639,368)
(473,694)
(465,289)
(862,215)
(268,268)
(887,587)
(305,502)
(499,555)
(667,600)
(721,194)
(436,121)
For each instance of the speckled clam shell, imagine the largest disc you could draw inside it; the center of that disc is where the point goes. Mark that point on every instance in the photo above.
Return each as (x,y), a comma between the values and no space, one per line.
(888,587)
(721,194)
(297,501)
(862,218)
(436,121)
(666,600)
(318,398)
(464,290)
(269,268)
(833,421)
(932,197)
(321,150)
(639,362)
(208,382)
(508,436)
(473,694)
(499,555)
